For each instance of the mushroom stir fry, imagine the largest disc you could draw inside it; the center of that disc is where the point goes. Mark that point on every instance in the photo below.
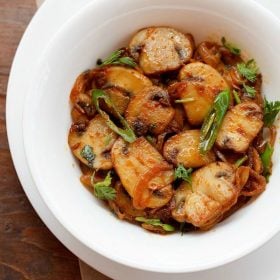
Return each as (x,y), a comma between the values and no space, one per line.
(173,135)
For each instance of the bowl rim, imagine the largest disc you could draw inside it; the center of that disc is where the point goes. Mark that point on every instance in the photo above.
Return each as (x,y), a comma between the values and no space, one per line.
(127,262)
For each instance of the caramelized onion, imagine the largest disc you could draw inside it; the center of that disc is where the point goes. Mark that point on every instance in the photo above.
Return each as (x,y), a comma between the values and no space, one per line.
(142,193)
(255,185)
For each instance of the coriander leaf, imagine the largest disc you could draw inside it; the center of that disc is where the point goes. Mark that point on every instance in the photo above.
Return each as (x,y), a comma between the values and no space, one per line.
(266,158)
(271,110)
(155,222)
(103,189)
(248,70)
(251,92)
(232,48)
(182,173)
(88,155)
(185,100)
(117,58)
(236,97)
(240,161)
(213,121)
(126,132)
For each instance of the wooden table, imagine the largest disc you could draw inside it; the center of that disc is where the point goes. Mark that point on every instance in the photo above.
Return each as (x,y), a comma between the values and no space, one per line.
(28,250)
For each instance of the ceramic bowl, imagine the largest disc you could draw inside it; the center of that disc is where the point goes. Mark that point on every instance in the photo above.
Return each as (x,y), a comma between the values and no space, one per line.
(95,31)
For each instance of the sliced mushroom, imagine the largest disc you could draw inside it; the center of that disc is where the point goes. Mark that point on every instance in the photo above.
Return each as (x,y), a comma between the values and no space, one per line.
(183,148)
(255,185)
(119,98)
(241,125)
(83,109)
(91,145)
(202,83)
(127,79)
(212,193)
(144,173)
(160,49)
(150,110)
(122,205)
(209,53)
(82,84)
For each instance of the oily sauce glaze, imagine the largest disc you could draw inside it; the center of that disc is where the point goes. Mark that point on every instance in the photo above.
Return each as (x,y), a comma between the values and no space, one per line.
(173,135)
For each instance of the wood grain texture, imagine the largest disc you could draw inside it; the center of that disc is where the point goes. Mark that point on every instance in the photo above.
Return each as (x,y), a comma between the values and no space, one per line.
(27,248)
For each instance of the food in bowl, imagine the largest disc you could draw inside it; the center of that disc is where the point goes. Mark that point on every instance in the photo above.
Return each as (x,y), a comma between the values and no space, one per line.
(173,135)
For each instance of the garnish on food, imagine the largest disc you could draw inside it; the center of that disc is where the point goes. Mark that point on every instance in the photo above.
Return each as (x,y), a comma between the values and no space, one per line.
(155,222)
(126,132)
(184,174)
(236,97)
(248,70)
(231,47)
(271,110)
(88,154)
(240,161)
(103,189)
(213,121)
(117,58)
(250,91)
(266,157)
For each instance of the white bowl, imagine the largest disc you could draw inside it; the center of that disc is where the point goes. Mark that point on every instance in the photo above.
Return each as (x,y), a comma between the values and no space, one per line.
(94,32)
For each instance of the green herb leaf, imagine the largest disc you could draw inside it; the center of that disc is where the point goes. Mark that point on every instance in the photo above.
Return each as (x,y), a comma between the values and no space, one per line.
(88,155)
(251,92)
(271,110)
(248,70)
(182,173)
(240,161)
(155,222)
(117,58)
(232,48)
(185,100)
(266,157)
(126,132)
(213,121)
(236,97)
(103,190)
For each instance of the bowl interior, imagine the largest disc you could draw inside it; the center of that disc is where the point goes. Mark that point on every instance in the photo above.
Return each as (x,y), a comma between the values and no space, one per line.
(94,32)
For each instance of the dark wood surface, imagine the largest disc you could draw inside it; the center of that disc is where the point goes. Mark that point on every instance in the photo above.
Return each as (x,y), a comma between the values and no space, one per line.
(27,248)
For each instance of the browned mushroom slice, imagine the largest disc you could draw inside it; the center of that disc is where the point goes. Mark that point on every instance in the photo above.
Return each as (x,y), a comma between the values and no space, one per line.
(92,143)
(212,193)
(241,125)
(82,84)
(127,79)
(183,148)
(150,110)
(119,98)
(202,83)
(144,173)
(83,109)
(160,49)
